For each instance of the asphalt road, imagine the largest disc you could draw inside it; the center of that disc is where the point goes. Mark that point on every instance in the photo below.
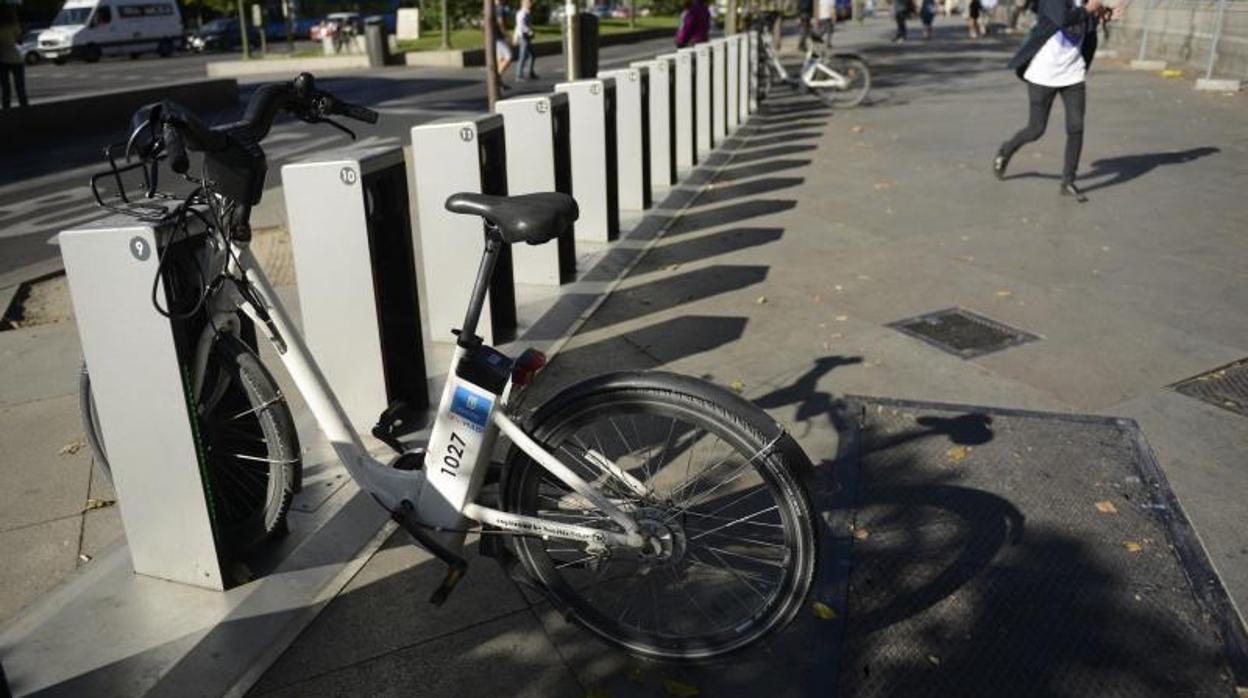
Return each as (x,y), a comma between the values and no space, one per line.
(48,80)
(49,193)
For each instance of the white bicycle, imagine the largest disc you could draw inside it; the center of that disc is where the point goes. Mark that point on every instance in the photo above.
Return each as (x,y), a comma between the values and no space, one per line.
(841,79)
(666,515)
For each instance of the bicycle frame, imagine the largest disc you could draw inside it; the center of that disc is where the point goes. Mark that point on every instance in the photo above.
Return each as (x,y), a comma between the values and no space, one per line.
(433,503)
(814,74)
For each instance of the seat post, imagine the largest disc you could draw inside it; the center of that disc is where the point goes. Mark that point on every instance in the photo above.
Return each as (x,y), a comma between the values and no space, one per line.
(493,245)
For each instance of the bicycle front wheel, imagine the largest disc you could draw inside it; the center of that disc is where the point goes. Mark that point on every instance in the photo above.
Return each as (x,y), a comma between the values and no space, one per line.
(733,539)
(841,80)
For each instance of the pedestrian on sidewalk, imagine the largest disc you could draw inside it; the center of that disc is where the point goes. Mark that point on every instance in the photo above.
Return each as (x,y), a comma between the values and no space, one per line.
(695,24)
(11,63)
(927,13)
(973,10)
(524,42)
(1054,60)
(827,21)
(502,47)
(902,9)
(805,11)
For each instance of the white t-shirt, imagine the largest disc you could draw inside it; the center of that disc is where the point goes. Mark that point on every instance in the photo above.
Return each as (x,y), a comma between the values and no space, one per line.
(827,9)
(1059,63)
(524,24)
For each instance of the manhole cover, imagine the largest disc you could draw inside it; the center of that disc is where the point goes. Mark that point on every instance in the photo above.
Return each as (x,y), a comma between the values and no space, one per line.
(962,333)
(1225,387)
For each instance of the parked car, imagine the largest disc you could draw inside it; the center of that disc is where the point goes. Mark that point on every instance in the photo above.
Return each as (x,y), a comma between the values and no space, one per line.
(221,35)
(90,29)
(28,45)
(335,21)
(621,12)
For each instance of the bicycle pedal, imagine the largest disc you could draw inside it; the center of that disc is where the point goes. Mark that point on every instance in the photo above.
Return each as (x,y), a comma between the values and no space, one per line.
(410,460)
(454,572)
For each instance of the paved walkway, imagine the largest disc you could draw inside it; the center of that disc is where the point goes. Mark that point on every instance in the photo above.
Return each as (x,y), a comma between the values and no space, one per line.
(782,276)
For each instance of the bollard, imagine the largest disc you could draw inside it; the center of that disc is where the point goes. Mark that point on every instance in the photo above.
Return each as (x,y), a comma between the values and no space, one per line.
(719,91)
(686,122)
(753,70)
(451,156)
(351,239)
(743,78)
(632,137)
(591,108)
(702,99)
(662,120)
(539,159)
(375,42)
(135,356)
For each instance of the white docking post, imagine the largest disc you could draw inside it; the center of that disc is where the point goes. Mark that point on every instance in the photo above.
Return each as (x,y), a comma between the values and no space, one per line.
(632,136)
(591,107)
(743,77)
(702,98)
(351,240)
(719,86)
(660,72)
(686,109)
(753,68)
(535,126)
(451,156)
(733,92)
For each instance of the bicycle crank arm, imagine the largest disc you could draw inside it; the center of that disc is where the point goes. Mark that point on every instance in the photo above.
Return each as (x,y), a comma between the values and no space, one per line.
(456,566)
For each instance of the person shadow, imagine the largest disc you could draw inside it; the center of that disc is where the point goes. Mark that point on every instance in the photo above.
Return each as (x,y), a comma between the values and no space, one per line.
(1128,167)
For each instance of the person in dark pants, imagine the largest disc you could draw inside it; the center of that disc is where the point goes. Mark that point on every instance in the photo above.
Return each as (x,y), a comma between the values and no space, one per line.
(805,13)
(901,11)
(11,63)
(1054,60)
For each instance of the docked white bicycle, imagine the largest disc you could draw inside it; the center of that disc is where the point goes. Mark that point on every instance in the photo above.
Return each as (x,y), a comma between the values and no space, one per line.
(667,515)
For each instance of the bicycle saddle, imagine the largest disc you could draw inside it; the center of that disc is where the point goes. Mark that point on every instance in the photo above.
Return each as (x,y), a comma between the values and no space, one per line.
(531,218)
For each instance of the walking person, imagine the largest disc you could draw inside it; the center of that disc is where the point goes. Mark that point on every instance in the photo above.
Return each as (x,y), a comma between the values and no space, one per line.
(524,42)
(827,21)
(973,10)
(927,13)
(502,47)
(1054,60)
(901,11)
(805,12)
(695,24)
(11,63)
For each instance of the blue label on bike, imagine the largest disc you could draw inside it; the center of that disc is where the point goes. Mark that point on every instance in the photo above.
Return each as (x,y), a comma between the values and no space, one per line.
(471,407)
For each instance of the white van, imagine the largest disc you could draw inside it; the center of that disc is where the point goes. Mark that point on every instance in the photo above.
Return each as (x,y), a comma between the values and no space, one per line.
(89,29)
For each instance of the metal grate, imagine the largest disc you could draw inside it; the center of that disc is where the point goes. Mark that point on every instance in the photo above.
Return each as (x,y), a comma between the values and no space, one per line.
(962,333)
(1225,387)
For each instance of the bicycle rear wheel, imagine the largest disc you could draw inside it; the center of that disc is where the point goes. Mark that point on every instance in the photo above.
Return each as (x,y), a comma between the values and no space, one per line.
(855,72)
(730,511)
(251,447)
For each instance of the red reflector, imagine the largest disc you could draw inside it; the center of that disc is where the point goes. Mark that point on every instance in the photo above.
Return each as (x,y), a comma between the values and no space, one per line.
(527,366)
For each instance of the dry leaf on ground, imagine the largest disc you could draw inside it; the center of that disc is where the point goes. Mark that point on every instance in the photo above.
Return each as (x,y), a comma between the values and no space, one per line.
(737,386)
(822,610)
(94,503)
(1106,507)
(1132,546)
(73,447)
(957,453)
(861,533)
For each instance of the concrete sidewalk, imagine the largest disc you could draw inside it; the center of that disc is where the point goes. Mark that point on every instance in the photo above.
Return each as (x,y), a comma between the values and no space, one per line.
(781,278)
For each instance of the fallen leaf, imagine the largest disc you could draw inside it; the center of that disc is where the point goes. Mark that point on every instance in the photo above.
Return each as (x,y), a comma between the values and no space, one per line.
(671,267)
(761,300)
(823,610)
(1004,293)
(861,533)
(839,288)
(857,129)
(1171,73)
(1132,546)
(933,659)
(957,453)
(679,689)
(73,447)
(94,503)
(842,318)
(737,386)
(883,184)
(1106,507)
(84,557)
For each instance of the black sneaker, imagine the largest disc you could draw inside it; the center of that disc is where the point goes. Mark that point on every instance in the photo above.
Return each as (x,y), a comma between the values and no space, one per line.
(999,164)
(1069,189)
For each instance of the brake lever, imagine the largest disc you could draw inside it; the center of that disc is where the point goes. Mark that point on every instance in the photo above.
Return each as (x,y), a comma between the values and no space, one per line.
(339,126)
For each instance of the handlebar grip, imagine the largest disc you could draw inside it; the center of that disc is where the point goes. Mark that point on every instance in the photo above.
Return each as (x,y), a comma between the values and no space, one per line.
(178,160)
(359,113)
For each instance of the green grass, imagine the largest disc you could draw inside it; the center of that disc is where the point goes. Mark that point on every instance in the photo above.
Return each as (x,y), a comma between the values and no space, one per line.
(471,38)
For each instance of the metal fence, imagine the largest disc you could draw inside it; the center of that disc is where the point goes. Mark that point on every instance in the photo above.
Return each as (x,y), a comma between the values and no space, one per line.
(1209,35)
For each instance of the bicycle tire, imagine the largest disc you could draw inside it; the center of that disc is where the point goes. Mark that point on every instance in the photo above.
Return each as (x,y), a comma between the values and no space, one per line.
(237,380)
(856,69)
(733,422)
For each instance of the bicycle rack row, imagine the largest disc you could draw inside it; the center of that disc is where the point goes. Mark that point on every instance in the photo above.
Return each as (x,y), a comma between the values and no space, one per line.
(380,283)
